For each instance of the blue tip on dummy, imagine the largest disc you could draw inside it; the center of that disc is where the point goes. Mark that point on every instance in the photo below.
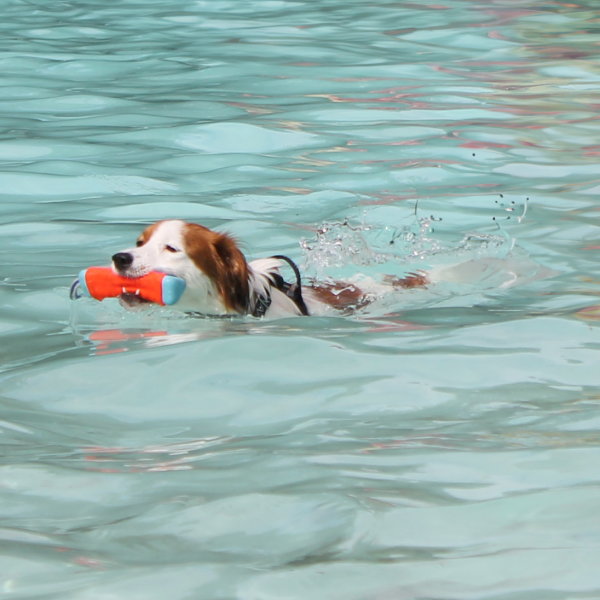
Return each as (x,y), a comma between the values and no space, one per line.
(83,284)
(172,289)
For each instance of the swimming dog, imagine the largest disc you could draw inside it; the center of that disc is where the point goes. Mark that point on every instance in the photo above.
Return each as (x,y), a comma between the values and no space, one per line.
(220,281)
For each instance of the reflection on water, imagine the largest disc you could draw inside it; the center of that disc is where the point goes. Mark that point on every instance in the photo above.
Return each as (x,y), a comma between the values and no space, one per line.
(441,443)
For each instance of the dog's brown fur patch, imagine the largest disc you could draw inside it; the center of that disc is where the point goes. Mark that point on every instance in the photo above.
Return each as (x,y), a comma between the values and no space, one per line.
(353,298)
(219,258)
(147,233)
(412,280)
(340,298)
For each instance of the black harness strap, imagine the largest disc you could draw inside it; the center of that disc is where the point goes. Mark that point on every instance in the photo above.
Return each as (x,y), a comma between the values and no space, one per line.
(261,305)
(291,290)
(295,292)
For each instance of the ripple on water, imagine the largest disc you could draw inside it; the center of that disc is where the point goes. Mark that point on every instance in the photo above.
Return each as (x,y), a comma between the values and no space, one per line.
(440,444)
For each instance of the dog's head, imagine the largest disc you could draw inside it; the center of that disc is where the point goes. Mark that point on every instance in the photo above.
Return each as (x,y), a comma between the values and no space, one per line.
(203,258)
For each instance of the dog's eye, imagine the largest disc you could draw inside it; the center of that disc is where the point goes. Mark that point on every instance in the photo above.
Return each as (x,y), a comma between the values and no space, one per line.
(139,243)
(171,249)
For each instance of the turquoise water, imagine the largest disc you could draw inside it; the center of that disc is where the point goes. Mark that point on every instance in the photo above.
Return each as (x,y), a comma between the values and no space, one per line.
(442,444)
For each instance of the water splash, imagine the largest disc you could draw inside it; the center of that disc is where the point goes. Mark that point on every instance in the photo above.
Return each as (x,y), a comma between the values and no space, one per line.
(339,245)
(461,268)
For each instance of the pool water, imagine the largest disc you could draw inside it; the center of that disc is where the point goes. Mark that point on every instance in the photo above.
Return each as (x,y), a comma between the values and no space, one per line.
(442,443)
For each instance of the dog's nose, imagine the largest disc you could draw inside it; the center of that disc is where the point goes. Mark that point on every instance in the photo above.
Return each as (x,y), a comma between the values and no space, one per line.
(122,260)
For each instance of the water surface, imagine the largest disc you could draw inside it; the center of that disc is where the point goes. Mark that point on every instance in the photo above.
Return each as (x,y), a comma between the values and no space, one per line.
(441,445)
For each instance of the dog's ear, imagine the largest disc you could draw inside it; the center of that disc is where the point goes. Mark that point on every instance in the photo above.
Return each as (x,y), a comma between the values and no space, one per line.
(219,258)
(232,276)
